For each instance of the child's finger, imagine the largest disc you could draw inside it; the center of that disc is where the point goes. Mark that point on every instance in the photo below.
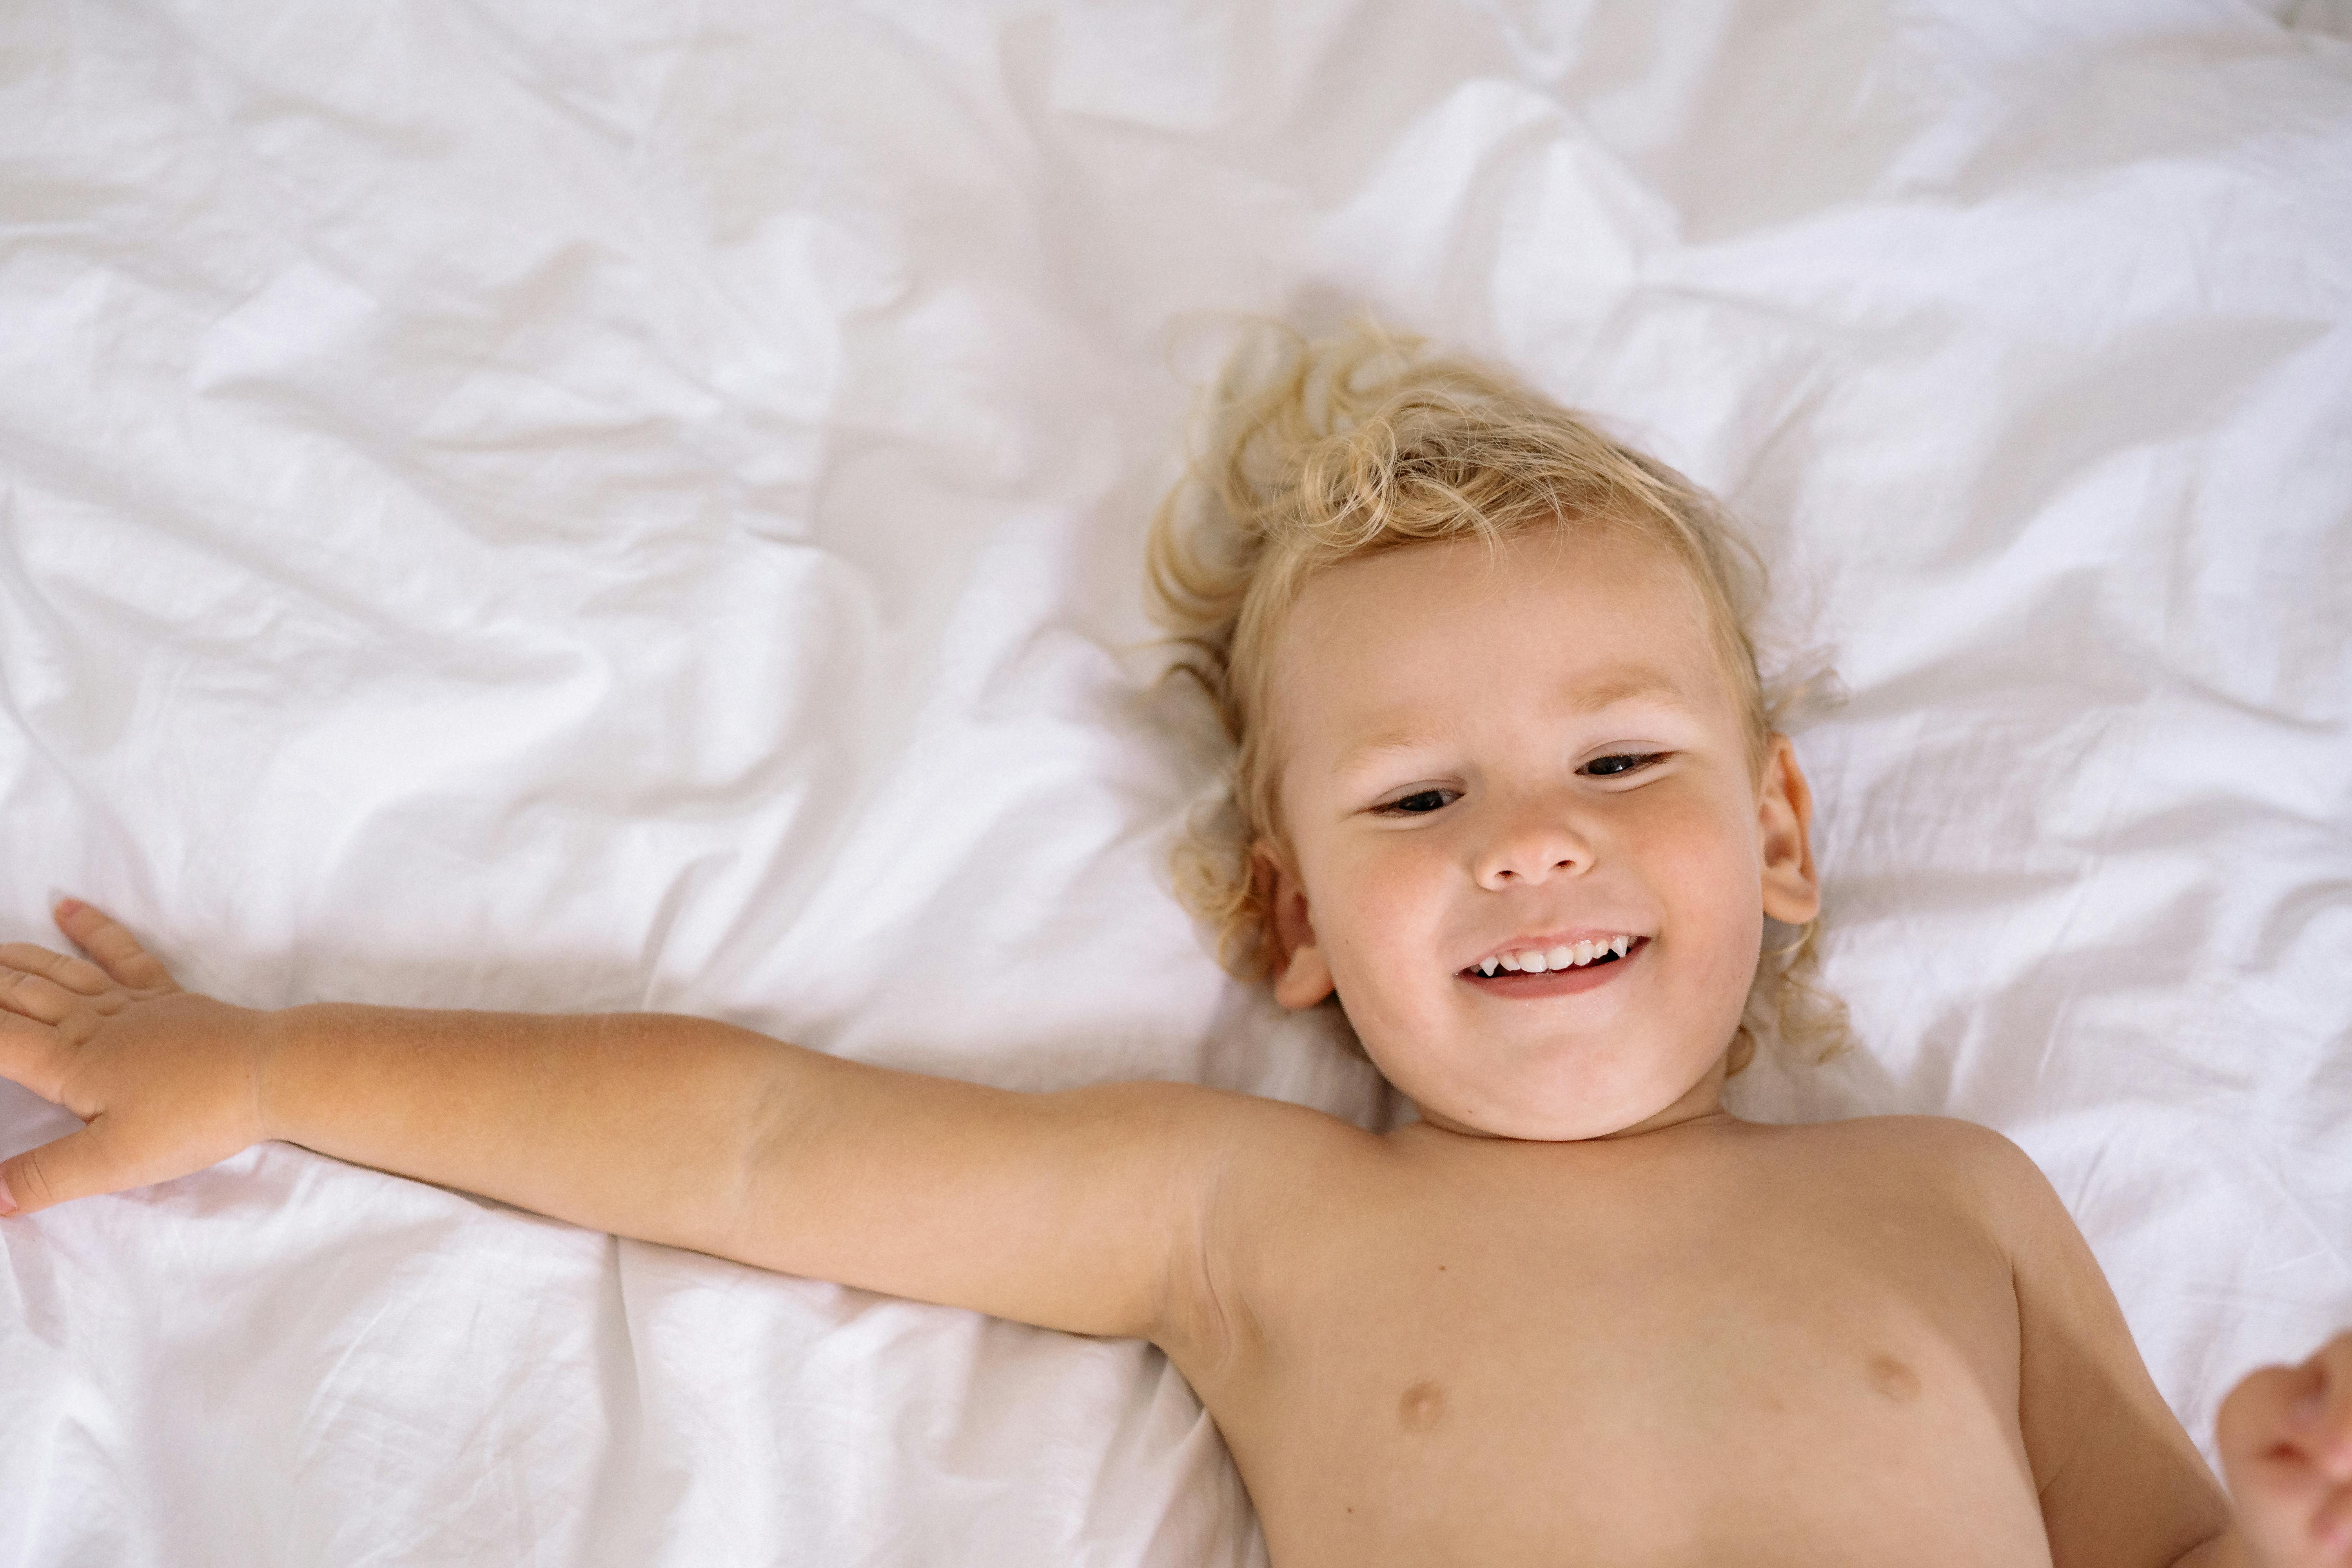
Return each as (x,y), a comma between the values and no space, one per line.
(2256,1434)
(74,973)
(117,953)
(2327,1421)
(2331,1526)
(77,1165)
(29,1055)
(35,997)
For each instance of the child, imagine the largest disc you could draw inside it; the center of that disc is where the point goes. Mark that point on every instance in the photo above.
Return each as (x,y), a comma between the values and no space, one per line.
(1506,787)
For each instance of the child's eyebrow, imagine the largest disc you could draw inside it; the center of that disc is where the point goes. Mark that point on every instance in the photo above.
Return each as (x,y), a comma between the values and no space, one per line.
(1626,683)
(1364,753)
(1630,683)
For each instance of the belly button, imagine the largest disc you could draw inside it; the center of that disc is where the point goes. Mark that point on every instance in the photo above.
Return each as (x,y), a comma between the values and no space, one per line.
(1421,1406)
(1894,1379)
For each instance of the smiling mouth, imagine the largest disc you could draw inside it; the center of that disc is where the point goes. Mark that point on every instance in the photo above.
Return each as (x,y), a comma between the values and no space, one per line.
(1535,961)
(1523,979)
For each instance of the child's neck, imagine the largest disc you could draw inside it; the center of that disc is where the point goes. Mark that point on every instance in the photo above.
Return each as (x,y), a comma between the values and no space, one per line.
(1702,1103)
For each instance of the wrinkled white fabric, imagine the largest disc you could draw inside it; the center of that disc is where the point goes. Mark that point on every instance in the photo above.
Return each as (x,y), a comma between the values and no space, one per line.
(641,506)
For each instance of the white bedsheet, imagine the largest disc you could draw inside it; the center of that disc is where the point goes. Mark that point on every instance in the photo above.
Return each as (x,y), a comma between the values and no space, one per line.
(550,507)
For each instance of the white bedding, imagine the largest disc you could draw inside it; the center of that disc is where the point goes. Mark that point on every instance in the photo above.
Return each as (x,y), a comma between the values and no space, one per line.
(641,506)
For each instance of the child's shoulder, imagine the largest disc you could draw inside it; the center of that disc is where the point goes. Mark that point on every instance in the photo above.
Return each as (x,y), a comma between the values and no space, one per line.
(1945,1140)
(1966,1159)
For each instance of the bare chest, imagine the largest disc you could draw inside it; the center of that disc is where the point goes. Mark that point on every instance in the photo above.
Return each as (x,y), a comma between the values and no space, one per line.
(1631,1365)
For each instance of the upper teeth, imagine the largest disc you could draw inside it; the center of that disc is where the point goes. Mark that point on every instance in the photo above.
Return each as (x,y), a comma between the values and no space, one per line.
(1536,960)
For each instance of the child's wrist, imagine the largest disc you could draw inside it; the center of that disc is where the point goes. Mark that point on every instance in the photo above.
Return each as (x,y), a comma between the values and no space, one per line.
(275,1038)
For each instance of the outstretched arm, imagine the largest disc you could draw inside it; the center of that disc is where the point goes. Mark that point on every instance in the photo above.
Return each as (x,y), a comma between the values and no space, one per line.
(2120,1482)
(1079,1210)
(2122,1485)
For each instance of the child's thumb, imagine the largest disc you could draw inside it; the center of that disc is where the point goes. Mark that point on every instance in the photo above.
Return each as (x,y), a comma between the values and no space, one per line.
(2255,1431)
(78,1165)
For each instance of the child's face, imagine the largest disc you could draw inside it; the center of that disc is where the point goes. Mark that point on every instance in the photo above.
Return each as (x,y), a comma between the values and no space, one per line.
(1486,754)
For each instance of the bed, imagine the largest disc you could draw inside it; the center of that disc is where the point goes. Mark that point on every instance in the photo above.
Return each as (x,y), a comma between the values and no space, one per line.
(521,506)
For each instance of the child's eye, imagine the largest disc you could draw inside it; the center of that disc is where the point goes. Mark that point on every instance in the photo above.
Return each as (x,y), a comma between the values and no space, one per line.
(1420,802)
(1623,763)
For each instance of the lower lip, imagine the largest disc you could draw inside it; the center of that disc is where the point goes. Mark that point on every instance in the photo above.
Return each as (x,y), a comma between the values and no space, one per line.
(1554,982)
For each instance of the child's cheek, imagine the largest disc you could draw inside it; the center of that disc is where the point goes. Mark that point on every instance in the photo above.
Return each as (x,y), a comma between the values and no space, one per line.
(1391,908)
(1709,874)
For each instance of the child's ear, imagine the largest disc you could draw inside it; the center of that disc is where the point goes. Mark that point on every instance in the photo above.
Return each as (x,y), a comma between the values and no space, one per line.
(1302,976)
(1784,819)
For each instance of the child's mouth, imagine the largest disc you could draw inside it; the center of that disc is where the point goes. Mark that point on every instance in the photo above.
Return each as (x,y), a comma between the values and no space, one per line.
(1601,968)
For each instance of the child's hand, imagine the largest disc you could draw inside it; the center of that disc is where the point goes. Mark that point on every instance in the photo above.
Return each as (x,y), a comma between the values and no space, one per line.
(169,1082)
(2285,1435)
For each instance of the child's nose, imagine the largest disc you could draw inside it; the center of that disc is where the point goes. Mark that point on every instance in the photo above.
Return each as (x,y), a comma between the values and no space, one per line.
(1533,848)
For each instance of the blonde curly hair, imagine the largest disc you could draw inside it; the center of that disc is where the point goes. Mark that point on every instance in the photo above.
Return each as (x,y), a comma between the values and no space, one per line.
(1324,451)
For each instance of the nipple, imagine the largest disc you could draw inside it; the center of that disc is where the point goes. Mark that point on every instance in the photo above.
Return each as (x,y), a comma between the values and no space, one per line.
(1893,1379)
(1421,1407)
